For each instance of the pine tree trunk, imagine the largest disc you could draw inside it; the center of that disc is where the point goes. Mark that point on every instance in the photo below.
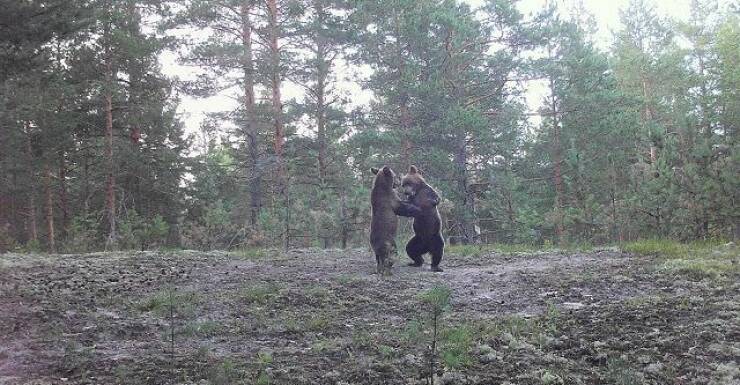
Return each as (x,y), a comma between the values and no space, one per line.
(49,211)
(86,183)
(558,179)
(557,163)
(277,111)
(31,226)
(343,218)
(648,117)
(321,125)
(254,178)
(617,228)
(467,212)
(63,196)
(405,119)
(322,71)
(110,194)
(275,81)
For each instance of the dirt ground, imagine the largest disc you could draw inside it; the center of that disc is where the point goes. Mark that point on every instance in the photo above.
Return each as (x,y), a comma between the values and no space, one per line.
(323,317)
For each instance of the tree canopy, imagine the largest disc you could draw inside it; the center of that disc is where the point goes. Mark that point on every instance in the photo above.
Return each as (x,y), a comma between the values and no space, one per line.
(637,140)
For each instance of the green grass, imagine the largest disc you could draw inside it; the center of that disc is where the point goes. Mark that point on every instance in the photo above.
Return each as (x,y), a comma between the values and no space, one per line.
(412,331)
(386,351)
(225,372)
(318,293)
(363,339)
(327,344)
(482,249)
(549,378)
(698,269)
(251,253)
(205,328)
(536,332)
(261,293)
(619,372)
(346,279)
(456,344)
(163,302)
(264,360)
(695,260)
(318,323)
(505,248)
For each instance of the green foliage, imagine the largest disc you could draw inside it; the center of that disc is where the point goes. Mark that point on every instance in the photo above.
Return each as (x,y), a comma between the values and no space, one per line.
(131,229)
(135,232)
(386,351)
(7,242)
(670,248)
(447,95)
(436,299)
(205,328)
(695,260)
(251,253)
(32,246)
(318,323)
(82,234)
(225,373)
(165,302)
(427,330)
(264,360)
(260,293)
(216,231)
(620,373)
(413,331)
(456,344)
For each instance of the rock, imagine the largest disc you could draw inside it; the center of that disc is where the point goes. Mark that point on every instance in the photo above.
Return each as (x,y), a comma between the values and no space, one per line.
(452,378)
(485,349)
(488,358)
(643,359)
(410,360)
(333,375)
(654,368)
(573,305)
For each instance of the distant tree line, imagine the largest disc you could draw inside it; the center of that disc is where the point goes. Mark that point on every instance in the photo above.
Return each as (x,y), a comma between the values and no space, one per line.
(640,141)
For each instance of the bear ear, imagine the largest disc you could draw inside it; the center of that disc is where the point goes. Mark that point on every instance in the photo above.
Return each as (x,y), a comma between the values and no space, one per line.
(413,170)
(374,170)
(387,171)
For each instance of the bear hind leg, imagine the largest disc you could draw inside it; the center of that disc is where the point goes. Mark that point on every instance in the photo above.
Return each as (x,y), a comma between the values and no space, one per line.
(436,248)
(415,249)
(384,258)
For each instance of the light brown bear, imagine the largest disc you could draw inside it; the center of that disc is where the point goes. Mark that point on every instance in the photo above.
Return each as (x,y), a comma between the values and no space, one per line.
(427,225)
(384,225)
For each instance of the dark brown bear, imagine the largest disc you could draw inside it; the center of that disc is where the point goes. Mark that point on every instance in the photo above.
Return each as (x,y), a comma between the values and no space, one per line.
(385,206)
(427,225)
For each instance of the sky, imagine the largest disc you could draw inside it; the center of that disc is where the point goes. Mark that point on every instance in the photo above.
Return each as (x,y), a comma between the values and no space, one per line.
(606,13)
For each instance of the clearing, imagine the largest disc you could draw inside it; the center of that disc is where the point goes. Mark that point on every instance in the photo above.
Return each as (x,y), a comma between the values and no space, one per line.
(321,317)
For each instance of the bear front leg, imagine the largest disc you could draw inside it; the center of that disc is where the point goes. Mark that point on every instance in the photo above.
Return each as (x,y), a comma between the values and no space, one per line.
(406,209)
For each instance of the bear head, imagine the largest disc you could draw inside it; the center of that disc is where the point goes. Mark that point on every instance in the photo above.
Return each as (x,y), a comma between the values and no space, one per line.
(412,182)
(385,177)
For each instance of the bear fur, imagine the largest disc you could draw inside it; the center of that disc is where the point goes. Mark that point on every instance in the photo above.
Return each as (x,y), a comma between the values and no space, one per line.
(427,225)
(385,205)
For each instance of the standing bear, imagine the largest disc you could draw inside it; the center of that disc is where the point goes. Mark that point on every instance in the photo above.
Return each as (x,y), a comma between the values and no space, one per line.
(385,206)
(427,225)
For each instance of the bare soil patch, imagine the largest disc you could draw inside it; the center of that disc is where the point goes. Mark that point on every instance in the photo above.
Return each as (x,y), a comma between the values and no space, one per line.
(322,317)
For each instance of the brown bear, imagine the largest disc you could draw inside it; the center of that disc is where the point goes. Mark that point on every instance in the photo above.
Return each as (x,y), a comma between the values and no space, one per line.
(385,206)
(427,225)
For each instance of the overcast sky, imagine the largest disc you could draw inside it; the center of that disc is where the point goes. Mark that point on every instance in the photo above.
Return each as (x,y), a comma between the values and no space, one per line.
(606,13)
